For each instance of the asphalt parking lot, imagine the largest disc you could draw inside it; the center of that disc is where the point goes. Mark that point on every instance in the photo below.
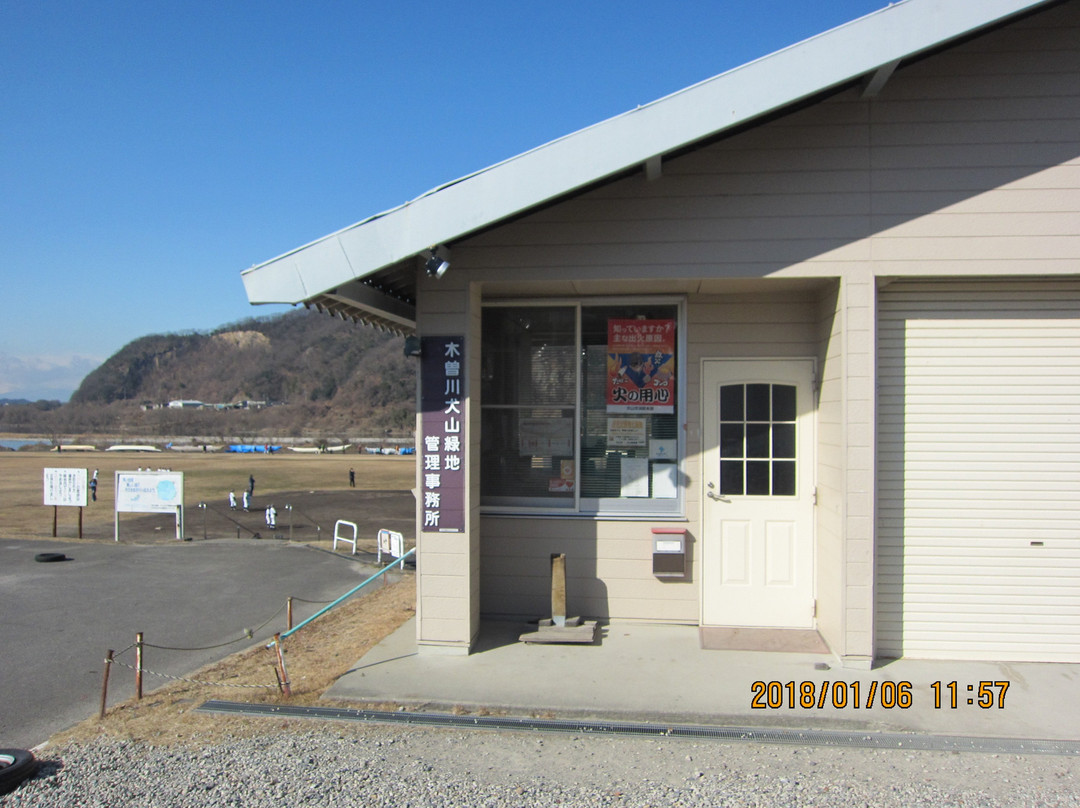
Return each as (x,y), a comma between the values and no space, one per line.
(58,619)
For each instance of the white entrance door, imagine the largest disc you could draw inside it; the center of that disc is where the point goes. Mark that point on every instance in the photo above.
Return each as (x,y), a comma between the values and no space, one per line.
(758,473)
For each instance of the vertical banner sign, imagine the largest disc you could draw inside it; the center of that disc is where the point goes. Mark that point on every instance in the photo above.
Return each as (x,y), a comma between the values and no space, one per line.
(641,366)
(442,424)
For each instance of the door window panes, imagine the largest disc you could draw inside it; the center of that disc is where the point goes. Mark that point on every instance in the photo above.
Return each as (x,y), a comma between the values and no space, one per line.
(757,439)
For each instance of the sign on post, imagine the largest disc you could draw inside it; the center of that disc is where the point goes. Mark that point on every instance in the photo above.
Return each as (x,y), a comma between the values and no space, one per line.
(150,492)
(390,543)
(66,487)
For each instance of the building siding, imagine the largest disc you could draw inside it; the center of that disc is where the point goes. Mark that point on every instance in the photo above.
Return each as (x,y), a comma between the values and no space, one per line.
(967,164)
(609,562)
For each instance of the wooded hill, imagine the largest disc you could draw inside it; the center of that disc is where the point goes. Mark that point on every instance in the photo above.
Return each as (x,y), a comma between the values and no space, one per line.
(318,376)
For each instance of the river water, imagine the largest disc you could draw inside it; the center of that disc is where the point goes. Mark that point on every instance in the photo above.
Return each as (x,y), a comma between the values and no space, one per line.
(18,444)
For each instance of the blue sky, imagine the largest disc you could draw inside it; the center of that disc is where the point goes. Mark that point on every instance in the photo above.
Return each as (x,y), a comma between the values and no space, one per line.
(149,152)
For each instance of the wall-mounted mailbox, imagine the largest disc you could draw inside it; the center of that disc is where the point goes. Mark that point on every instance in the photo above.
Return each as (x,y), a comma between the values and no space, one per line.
(669,552)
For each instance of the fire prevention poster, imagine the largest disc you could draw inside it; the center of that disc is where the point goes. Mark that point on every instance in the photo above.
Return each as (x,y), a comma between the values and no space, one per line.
(641,366)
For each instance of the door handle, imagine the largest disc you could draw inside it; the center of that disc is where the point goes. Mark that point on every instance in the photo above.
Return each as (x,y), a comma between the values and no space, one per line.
(711,494)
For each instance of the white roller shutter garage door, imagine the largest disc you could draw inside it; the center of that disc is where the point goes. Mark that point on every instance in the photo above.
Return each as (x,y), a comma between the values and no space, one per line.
(979,471)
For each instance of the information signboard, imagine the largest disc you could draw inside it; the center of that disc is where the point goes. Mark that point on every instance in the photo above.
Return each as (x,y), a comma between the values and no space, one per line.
(149,491)
(66,487)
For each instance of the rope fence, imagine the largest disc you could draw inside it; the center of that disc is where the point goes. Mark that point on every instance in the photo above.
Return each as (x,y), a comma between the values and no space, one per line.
(247,635)
(280,671)
(192,681)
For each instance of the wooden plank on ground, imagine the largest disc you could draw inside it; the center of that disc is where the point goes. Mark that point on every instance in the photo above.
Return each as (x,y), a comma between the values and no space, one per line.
(579,632)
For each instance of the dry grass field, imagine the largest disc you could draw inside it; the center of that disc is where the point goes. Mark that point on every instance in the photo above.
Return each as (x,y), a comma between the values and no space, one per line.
(317,485)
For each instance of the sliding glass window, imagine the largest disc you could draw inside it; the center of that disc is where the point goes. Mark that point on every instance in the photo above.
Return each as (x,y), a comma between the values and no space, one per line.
(580,408)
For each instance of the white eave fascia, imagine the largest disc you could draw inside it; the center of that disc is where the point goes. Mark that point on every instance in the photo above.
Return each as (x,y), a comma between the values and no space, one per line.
(856,49)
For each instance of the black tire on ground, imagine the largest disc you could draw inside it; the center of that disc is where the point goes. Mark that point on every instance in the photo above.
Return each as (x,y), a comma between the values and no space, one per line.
(15,766)
(50,557)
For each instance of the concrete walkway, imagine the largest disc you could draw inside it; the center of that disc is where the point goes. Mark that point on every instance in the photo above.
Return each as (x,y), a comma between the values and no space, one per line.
(660,673)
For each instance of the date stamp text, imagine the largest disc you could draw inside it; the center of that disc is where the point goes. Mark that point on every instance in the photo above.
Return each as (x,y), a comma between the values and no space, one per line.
(793,695)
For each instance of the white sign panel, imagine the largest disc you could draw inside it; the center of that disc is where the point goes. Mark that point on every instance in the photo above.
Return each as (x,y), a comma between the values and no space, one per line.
(635,477)
(149,491)
(665,481)
(663,449)
(625,432)
(65,487)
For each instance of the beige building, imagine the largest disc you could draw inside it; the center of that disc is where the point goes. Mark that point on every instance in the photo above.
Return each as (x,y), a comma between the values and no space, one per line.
(816,321)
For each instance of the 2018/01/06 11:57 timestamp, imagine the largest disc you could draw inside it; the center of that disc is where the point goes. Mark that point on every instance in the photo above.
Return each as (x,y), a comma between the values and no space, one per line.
(840,695)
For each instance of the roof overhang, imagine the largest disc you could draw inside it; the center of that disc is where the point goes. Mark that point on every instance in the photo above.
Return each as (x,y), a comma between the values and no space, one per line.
(367,271)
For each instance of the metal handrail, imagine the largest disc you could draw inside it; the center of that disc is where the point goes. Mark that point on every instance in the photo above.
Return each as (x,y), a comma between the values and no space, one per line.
(325,609)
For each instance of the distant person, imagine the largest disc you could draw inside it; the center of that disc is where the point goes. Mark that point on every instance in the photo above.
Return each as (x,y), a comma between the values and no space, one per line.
(247,501)
(266,515)
(271,517)
(232,500)
(352,478)
(251,485)
(93,487)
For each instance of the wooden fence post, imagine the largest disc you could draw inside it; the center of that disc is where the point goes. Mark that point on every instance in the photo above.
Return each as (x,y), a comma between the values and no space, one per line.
(105,682)
(281,665)
(138,665)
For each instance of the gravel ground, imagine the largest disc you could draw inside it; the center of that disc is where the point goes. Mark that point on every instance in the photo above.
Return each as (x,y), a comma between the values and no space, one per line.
(303,764)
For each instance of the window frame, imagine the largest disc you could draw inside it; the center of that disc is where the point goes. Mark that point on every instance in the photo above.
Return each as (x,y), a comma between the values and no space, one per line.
(602,507)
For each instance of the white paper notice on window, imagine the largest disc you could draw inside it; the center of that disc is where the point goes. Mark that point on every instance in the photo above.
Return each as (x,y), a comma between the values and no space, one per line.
(662,449)
(665,480)
(546,437)
(635,477)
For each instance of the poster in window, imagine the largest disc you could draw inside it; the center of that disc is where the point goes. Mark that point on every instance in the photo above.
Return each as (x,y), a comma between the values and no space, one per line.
(641,366)
(625,432)
(564,483)
(634,477)
(665,480)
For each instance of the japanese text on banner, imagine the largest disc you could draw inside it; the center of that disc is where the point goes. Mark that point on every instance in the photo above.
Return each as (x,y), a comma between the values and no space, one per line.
(443,434)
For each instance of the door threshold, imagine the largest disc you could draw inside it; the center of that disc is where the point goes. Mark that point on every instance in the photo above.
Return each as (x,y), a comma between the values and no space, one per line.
(788,640)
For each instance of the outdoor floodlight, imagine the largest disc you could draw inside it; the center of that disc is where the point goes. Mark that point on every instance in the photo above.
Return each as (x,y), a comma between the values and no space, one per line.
(436,266)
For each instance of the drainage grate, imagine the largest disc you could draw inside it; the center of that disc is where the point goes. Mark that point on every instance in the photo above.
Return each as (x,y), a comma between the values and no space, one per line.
(863,740)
